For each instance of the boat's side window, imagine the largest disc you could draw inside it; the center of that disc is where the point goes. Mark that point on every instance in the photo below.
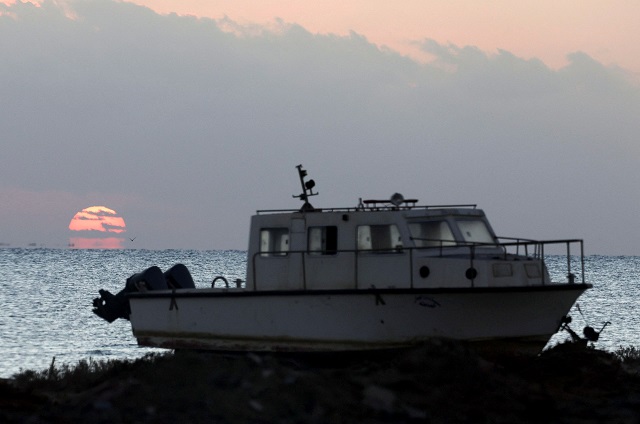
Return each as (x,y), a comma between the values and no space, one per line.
(274,241)
(475,231)
(381,238)
(323,240)
(431,234)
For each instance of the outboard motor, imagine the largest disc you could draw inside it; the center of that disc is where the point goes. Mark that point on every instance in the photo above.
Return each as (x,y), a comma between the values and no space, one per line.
(179,277)
(111,307)
(149,279)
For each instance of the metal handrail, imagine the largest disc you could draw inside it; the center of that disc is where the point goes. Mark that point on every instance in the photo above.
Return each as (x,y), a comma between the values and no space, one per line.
(538,253)
(376,207)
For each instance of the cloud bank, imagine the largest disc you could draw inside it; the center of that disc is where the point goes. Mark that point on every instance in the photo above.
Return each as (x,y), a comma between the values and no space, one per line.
(186,126)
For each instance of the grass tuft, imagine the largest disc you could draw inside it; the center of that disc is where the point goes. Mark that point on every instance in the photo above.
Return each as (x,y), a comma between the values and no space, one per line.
(85,372)
(628,354)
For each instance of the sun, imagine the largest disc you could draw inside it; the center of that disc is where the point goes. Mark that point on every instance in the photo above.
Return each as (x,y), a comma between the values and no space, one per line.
(97,227)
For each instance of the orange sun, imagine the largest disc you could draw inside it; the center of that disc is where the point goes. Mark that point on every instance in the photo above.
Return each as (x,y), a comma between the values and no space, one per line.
(97,227)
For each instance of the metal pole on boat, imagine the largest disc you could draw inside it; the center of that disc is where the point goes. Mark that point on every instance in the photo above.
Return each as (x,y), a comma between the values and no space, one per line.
(569,275)
(582,258)
(542,267)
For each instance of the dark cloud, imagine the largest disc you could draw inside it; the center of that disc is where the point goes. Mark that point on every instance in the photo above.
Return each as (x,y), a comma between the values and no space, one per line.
(186,128)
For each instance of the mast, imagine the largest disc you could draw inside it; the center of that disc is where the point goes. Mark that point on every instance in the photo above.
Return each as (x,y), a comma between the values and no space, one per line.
(307,190)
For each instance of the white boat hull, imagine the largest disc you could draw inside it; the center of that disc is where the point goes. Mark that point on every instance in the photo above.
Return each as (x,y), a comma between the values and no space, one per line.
(347,320)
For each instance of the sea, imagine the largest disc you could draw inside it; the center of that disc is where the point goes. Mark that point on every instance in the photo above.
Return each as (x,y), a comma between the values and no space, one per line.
(46,298)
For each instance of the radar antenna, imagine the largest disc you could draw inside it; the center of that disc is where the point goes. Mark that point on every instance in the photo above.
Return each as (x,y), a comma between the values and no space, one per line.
(307,190)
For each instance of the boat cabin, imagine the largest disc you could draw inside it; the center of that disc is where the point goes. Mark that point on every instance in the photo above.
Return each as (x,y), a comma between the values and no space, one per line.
(382,244)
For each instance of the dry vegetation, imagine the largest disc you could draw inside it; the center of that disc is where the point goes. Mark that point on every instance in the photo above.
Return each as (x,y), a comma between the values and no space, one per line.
(438,382)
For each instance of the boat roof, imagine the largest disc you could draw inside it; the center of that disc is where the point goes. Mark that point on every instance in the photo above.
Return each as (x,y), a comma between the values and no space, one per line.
(375,206)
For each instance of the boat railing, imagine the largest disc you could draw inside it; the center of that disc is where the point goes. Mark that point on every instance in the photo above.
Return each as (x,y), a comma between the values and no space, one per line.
(371,205)
(513,248)
(536,250)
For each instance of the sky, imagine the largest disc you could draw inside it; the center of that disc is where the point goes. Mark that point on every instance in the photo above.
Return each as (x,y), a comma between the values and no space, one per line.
(543,29)
(185,117)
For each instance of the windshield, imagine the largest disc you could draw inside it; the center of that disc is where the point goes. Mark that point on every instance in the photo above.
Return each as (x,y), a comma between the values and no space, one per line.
(475,231)
(431,234)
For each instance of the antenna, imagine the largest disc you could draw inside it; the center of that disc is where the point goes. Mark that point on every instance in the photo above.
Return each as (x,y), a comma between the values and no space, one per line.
(307,189)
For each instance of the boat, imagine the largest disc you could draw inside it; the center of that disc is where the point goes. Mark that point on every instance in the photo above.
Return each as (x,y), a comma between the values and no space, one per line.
(384,274)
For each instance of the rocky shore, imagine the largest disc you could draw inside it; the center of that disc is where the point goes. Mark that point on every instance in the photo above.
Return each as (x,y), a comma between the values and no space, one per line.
(440,382)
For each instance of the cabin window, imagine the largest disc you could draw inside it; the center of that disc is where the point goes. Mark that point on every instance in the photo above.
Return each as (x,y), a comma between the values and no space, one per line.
(323,240)
(274,241)
(475,231)
(431,234)
(379,237)
(502,270)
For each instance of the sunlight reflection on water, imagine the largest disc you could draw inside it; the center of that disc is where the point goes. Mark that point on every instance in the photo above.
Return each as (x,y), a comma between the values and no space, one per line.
(47,295)
(613,298)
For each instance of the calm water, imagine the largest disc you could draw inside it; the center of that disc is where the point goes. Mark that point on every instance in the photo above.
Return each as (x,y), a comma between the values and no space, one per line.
(46,297)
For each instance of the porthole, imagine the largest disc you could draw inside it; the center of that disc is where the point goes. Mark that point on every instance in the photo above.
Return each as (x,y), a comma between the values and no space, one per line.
(424,271)
(471,273)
